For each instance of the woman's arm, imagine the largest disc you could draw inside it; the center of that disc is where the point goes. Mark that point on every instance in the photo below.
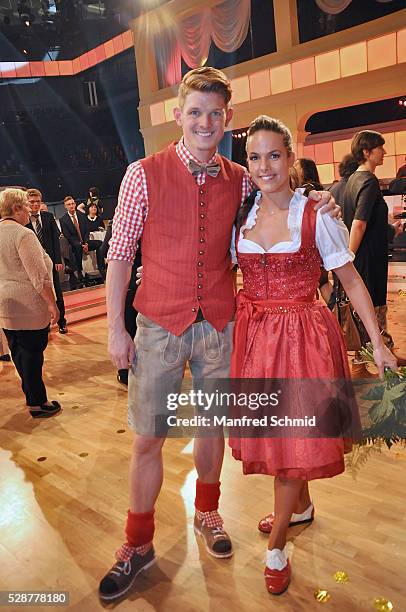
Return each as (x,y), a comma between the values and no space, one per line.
(33,258)
(47,295)
(362,303)
(356,235)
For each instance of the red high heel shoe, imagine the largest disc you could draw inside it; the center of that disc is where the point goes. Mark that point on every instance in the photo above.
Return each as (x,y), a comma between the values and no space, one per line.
(277,581)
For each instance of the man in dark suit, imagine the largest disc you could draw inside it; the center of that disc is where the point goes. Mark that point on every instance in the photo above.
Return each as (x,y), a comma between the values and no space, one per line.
(75,228)
(44,226)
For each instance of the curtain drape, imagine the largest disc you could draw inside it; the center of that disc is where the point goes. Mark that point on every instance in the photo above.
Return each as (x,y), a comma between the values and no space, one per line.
(333,7)
(226,24)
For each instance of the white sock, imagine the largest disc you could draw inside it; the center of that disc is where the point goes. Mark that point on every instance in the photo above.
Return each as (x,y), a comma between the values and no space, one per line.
(304,516)
(276,559)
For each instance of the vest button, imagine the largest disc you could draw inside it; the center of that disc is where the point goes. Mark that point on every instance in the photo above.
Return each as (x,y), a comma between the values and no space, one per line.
(201,239)
(201,191)
(201,203)
(201,228)
(199,297)
(199,263)
(201,252)
(200,286)
(200,275)
(202,215)
(194,309)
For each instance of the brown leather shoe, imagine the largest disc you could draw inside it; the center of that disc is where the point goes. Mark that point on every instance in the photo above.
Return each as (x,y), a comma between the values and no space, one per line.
(216,540)
(120,579)
(360,370)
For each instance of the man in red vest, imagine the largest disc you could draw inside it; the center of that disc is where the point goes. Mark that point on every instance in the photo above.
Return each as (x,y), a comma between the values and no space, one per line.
(183,200)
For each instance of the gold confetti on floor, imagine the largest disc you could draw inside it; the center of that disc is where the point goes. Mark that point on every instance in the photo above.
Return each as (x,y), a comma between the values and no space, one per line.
(321,595)
(383,605)
(340,576)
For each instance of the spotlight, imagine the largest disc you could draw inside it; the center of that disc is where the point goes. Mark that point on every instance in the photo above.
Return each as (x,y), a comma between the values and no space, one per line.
(25,51)
(402,101)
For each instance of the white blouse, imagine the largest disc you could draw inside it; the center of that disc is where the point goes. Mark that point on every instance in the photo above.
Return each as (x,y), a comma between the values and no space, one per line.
(332,236)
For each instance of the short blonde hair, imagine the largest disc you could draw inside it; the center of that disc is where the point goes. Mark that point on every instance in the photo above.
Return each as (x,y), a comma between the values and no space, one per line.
(34,192)
(12,200)
(206,80)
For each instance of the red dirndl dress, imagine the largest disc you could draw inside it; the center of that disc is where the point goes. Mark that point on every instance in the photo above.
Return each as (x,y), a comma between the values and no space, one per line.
(282,332)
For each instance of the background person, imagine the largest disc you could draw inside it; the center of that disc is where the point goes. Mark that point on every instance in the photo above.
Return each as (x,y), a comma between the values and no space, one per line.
(94,220)
(401,173)
(27,301)
(308,174)
(94,198)
(44,226)
(346,167)
(365,214)
(75,228)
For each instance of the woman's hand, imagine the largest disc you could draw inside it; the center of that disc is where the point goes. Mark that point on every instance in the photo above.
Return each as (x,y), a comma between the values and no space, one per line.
(139,276)
(53,312)
(326,203)
(384,358)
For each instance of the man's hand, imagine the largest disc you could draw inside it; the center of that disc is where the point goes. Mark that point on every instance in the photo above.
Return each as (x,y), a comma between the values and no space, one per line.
(398,227)
(139,276)
(59,267)
(325,203)
(121,348)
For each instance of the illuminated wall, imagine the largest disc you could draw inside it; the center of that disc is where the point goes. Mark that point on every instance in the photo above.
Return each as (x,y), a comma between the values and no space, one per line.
(55,68)
(365,56)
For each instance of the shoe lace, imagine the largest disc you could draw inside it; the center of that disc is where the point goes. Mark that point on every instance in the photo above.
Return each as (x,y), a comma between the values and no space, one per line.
(121,567)
(217,531)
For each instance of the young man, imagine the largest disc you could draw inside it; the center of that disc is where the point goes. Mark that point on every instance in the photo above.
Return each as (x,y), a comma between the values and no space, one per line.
(75,228)
(183,200)
(44,225)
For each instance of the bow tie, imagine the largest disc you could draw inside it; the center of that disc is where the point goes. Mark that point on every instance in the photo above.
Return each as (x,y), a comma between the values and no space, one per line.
(36,215)
(210,169)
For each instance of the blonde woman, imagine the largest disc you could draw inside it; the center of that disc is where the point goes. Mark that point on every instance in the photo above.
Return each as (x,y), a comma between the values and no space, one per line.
(27,301)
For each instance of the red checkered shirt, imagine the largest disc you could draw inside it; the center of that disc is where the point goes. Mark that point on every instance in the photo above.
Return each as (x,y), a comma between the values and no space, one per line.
(132,207)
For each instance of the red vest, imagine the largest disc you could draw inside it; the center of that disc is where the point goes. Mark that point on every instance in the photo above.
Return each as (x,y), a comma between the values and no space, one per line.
(186,243)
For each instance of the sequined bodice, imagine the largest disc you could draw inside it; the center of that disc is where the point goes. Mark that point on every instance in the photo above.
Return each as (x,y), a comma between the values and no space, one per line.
(281,276)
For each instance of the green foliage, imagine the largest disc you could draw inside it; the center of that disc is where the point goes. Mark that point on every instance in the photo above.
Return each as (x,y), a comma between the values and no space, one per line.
(387,415)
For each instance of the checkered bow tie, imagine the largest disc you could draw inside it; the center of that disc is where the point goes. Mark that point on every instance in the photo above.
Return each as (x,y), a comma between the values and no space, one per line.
(210,169)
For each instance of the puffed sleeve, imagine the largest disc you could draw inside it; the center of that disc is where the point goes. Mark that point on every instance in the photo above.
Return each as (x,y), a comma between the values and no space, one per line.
(332,241)
(233,252)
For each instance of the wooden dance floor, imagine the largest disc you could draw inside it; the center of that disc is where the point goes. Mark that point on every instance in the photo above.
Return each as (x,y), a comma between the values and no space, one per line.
(63,499)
